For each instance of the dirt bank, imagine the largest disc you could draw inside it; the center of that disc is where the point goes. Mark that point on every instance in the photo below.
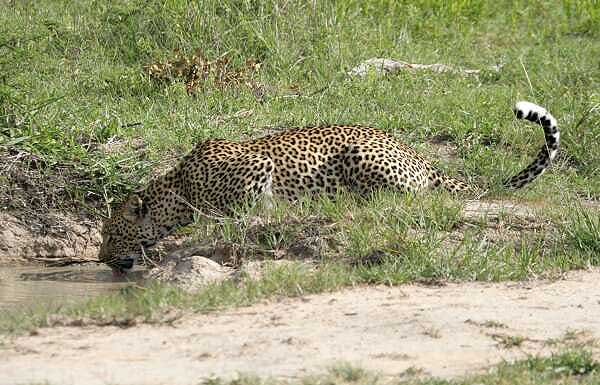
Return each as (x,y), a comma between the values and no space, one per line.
(440,331)
(55,236)
(45,214)
(67,240)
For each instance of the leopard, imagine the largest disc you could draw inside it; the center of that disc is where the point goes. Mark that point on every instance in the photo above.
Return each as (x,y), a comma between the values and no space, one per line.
(217,174)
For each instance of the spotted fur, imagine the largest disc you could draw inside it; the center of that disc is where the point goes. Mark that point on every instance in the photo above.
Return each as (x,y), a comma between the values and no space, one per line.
(217,174)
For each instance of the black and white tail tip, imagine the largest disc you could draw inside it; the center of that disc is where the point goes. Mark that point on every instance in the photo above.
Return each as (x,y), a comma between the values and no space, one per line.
(539,115)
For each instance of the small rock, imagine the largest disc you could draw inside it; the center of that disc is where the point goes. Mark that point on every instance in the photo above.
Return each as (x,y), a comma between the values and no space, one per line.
(384,66)
(191,273)
(380,66)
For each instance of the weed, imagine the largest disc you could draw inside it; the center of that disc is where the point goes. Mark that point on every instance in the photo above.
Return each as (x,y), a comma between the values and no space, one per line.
(583,230)
(574,362)
(508,342)
(493,324)
(348,373)
(413,371)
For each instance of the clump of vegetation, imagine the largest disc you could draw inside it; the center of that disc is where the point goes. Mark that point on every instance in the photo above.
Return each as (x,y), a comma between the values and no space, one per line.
(569,363)
(583,231)
(197,70)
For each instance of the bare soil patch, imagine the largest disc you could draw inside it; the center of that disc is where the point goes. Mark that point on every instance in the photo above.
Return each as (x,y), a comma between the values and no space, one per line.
(41,219)
(65,240)
(439,331)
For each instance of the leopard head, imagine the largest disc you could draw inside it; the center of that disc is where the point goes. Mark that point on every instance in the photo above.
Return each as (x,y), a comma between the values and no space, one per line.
(126,235)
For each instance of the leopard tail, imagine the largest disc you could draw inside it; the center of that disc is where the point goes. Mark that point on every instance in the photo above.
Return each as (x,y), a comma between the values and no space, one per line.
(543,160)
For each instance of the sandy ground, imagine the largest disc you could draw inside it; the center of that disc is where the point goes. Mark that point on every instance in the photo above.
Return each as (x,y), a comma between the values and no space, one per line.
(442,331)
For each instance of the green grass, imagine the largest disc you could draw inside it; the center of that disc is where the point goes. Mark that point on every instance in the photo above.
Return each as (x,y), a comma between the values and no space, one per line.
(568,367)
(354,246)
(72,82)
(72,74)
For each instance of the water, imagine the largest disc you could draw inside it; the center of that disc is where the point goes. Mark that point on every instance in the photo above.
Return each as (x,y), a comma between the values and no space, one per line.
(39,285)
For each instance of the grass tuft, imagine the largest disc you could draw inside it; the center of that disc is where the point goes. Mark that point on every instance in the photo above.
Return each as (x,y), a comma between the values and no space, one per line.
(569,363)
(583,230)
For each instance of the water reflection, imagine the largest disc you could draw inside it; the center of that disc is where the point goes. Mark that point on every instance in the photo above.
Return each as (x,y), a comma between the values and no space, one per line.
(38,285)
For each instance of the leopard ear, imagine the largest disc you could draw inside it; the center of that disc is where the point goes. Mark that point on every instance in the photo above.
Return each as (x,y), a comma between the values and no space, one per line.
(135,209)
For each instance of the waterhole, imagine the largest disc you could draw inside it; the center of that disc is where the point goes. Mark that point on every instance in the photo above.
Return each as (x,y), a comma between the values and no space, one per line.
(37,285)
